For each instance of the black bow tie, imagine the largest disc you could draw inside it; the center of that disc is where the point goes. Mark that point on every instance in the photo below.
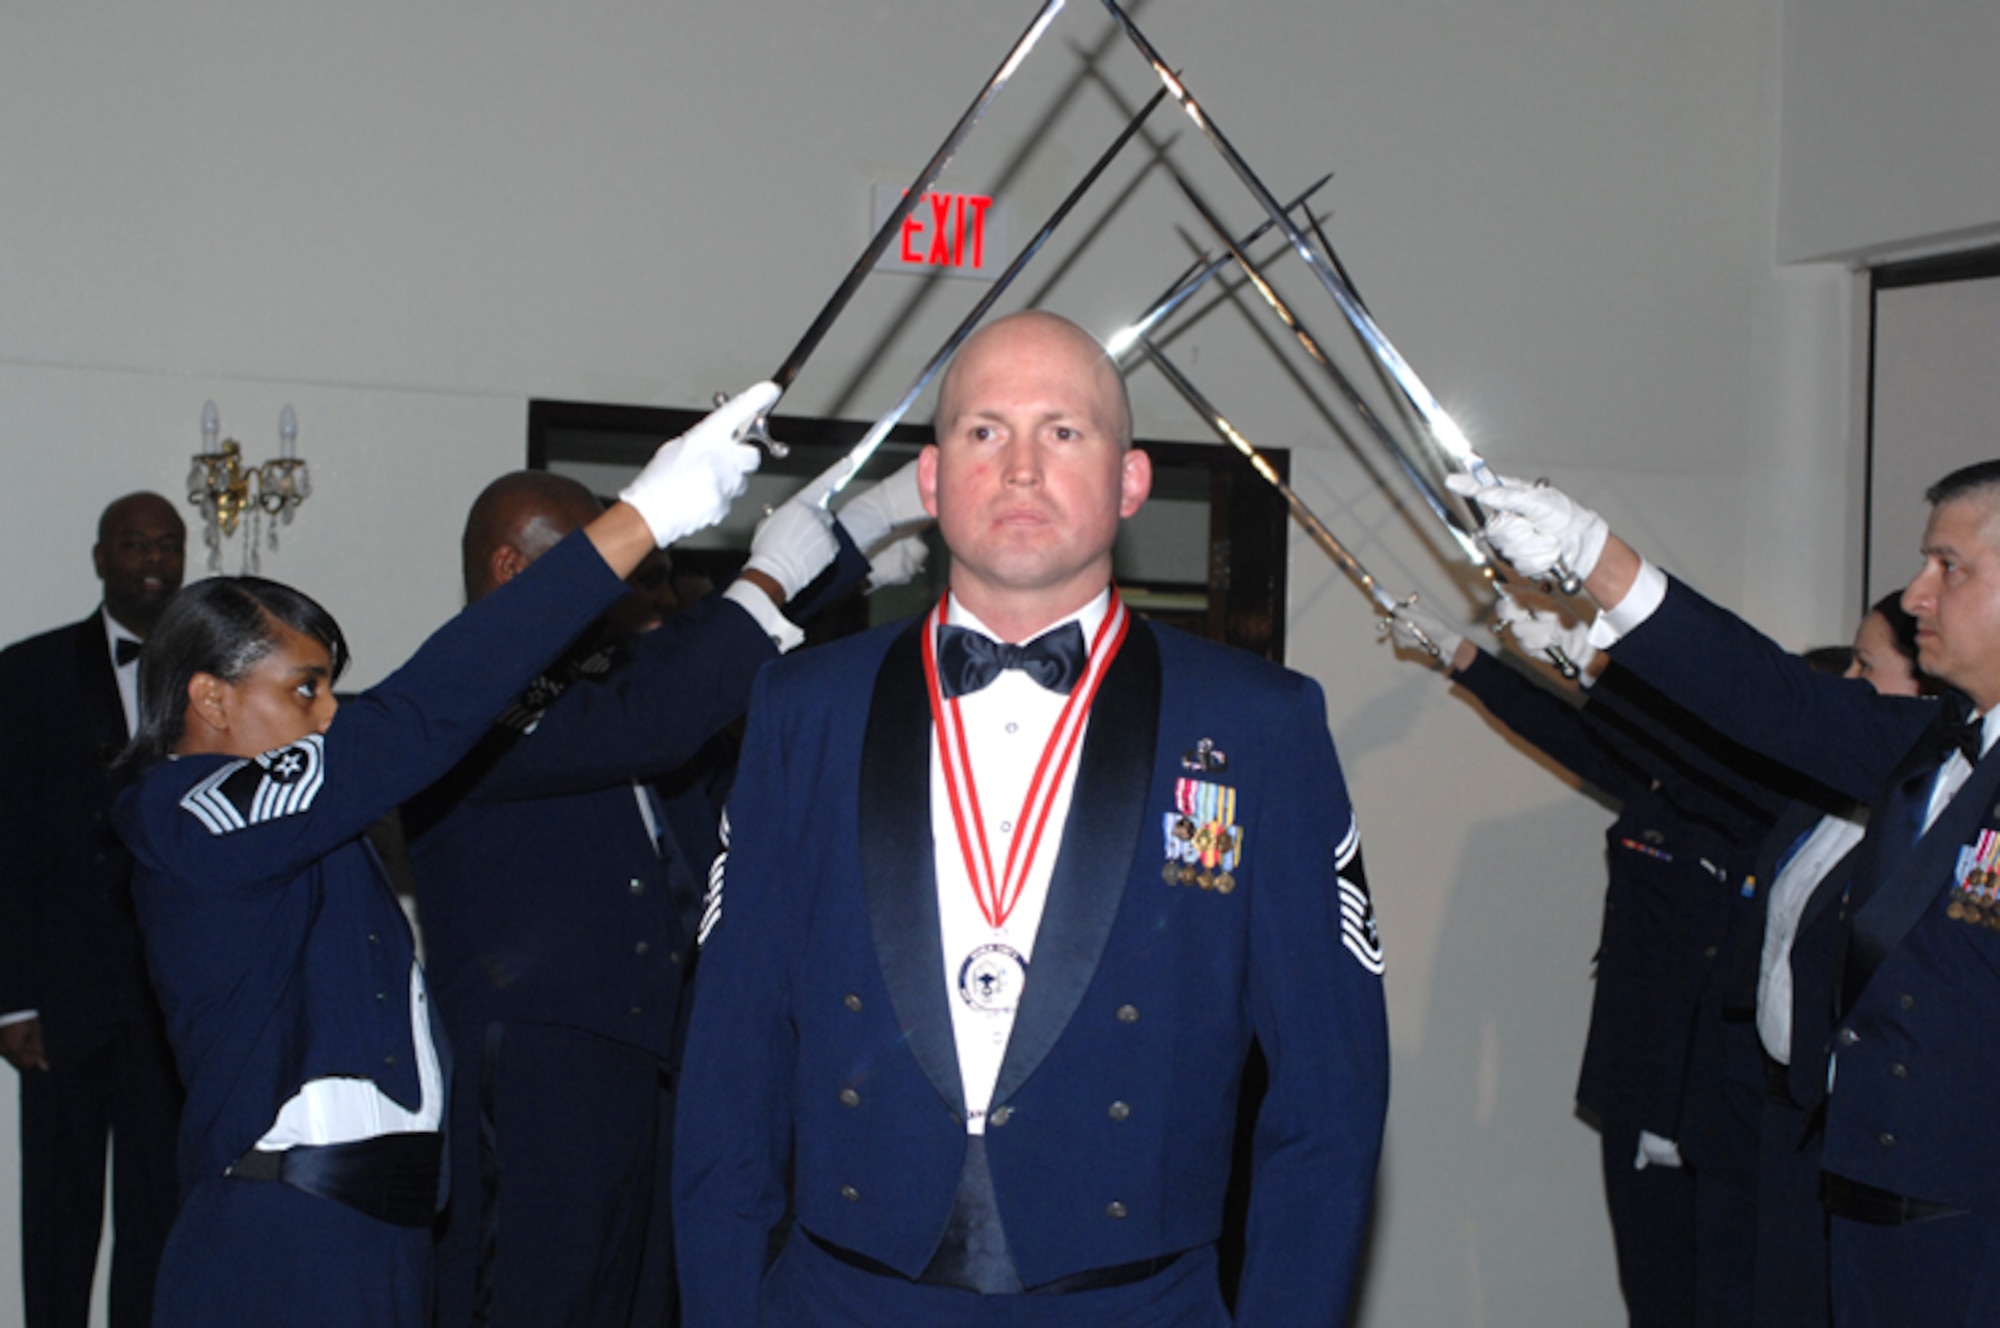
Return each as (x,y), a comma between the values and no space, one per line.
(968,660)
(125,650)
(1965,735)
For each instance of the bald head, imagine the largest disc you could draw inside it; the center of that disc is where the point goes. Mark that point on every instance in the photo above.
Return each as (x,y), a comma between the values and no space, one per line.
(515,520)
(139,556)
(1034,331)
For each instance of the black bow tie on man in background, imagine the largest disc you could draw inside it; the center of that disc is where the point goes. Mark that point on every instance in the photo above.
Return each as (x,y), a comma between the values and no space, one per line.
(1965,734)
(968,660)
(125,650)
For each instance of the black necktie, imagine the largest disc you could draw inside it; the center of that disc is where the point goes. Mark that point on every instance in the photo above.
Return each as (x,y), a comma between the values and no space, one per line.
(968,660)
(125,650)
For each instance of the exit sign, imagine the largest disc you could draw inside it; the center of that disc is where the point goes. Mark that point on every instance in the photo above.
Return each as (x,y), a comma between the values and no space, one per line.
(953,235)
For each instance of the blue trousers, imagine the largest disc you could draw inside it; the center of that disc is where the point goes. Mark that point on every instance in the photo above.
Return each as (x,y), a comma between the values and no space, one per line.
(560,1208)
(249,1254)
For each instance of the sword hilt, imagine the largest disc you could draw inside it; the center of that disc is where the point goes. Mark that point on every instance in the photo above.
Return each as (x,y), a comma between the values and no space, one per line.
(1387,624)
(755,432)
(1556,655)
(1566,581)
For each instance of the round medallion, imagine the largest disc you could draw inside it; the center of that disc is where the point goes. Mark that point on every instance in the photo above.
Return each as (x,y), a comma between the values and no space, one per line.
(990,979)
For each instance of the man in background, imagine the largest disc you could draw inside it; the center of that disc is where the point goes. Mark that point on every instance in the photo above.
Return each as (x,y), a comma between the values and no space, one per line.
(77,1014)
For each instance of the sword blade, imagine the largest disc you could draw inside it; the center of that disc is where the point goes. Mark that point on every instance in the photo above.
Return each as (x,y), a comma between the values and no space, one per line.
(1443,429)
(789,370)
(1121,342)
(878,432)
(1384,602)
(1433,496)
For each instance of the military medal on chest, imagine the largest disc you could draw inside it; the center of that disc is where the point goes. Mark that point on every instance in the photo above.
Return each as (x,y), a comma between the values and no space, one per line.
(1204,844)
(991,976)
(1975,891)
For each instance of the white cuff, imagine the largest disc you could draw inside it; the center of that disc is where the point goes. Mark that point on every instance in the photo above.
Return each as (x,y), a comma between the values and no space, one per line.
(784,633)
(1648,589)
(19,1017)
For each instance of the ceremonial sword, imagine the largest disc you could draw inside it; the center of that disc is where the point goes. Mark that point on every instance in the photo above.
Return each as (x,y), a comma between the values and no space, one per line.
(789,370)
(1434,499)
(858,455)
(1121,342)
(1386,603)
(1443,429)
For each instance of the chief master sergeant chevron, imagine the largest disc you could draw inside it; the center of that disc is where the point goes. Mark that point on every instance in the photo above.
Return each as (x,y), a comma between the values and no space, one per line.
(998,923)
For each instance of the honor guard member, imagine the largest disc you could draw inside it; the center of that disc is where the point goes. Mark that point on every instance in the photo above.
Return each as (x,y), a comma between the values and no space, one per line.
(552,891)
(1009,891)
(77,1015)
(1679,855)
(310,1152)
(1911,1167)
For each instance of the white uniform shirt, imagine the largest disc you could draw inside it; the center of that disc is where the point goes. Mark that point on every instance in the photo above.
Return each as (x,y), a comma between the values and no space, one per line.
(1007,724)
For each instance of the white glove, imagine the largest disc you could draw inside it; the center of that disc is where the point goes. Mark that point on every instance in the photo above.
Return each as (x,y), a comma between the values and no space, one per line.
(1541,634)
(899,561)
(689,483)
(1411,625)
(891,508)
(792,546)
(1656,1152)
(1535,527)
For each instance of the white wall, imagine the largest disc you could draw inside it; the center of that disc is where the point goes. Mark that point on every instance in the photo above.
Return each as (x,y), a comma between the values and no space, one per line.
(1888,127)
(407,220)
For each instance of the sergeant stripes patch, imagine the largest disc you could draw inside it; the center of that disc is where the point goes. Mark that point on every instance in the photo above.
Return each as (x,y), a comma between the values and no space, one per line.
(257,789)
(1358,931)
(711,903)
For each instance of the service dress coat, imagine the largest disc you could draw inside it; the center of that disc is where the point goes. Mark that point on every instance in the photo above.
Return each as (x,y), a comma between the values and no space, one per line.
(821,1068)
(282,956)
(1916,1049)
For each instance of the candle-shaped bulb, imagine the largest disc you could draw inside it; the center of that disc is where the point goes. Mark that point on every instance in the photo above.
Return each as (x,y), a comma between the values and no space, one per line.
(288,434)
(211,425)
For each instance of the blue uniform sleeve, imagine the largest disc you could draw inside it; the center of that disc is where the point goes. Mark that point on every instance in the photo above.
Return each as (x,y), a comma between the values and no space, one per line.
(1317,1006)
(685,683)
(1554,726)
(250,825)
(1839,731)
(733,1130)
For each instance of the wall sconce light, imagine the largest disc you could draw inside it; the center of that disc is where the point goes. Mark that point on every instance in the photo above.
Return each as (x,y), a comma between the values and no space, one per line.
(230,495)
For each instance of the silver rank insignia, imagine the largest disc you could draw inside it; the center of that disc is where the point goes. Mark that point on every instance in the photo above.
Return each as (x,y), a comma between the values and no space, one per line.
(1358,931)
(257,789)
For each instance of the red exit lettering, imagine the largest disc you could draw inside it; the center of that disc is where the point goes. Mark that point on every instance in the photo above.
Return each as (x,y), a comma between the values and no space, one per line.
(955,225)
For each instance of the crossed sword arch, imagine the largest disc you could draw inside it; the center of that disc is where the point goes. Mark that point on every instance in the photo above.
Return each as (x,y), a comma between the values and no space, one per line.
(1441,442)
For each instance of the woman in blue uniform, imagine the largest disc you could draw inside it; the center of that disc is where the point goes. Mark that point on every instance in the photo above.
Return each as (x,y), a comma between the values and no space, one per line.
(310,1147)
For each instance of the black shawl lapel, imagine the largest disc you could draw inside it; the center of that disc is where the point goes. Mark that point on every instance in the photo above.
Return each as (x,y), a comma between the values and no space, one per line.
(1106,817)
(97,684)
(898,871)
(1906,882)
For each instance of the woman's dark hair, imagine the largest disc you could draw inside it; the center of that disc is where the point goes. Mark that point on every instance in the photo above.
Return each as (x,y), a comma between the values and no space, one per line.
(1901,625)
(221,626)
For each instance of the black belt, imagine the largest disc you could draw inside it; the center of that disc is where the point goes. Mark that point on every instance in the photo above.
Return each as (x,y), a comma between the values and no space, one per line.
(392,1177)
(1090,1279)
(1884,1208)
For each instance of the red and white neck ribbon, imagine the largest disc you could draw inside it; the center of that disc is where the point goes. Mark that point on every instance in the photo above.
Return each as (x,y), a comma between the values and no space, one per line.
(998,892)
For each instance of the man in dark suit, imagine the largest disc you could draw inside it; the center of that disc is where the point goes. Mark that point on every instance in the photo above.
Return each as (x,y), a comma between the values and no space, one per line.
(998,923)
(558,904)
(77,1014)
(1911,1163)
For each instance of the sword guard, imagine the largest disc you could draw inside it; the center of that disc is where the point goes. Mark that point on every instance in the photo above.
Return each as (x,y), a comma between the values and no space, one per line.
(1566,581)
(755,432)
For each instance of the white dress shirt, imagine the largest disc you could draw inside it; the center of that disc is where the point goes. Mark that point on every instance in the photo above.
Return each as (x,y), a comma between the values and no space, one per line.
(1007,724)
